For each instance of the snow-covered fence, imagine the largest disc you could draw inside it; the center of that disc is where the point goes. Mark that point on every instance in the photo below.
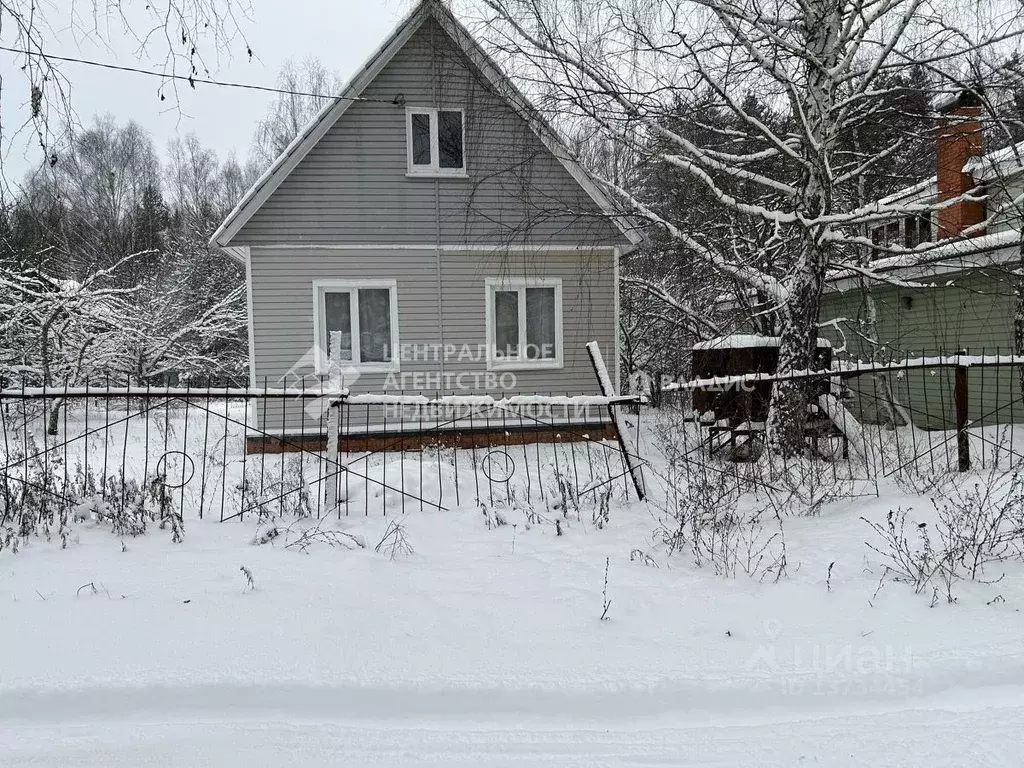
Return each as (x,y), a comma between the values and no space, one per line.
(930,412)
(196,452)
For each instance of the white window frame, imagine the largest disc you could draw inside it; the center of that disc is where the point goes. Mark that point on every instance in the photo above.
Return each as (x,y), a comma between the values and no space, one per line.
(901,237)
(521,284)
(320,287)
(434,169)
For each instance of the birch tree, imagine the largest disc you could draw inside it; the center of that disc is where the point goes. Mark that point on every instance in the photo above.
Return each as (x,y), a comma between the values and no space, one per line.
(827,64)
(306,87)
(100,277)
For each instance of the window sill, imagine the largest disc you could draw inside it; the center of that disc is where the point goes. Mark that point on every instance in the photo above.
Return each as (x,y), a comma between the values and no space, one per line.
(436,175)
(361,368)
(524,365)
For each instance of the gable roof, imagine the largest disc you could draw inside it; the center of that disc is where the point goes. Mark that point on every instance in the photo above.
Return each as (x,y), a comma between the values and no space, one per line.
(1002,163)
(300,146)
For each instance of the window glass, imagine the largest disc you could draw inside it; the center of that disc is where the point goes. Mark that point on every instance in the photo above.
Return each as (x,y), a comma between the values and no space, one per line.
(375,325)
(910,235)
(420,139)
(338,317)
(924,229)
(449,139)
(540,324)
(506,323)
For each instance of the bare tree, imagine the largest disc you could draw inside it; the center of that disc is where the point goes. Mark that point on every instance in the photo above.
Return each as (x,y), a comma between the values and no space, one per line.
(100,277)
(101,182)
(626,65)
(308,87)
(188,37)
(192,178)
(68,330)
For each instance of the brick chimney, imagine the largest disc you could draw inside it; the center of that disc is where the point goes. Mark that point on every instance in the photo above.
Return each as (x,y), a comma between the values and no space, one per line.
(958,139)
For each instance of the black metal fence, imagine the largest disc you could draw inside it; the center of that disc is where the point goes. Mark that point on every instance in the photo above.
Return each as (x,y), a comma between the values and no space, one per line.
(925,414)
(132,454)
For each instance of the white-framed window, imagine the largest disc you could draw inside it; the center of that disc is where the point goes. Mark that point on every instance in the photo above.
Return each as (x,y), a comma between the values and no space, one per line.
(524,323)
(907,231)
(365,312)
(436,141)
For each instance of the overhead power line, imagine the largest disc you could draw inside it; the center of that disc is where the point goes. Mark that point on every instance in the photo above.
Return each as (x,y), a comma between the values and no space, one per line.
(190,79)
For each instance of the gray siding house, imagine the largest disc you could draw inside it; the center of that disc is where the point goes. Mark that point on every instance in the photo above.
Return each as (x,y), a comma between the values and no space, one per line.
(435,221)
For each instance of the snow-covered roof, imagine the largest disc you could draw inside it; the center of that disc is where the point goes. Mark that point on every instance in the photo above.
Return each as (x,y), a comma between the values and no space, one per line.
(746,341)
(924,188)
(946,257)
(331,113)
(950,249)
(1000,163)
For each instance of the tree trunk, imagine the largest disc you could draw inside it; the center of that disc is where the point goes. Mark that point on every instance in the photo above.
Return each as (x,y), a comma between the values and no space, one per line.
(53,417)
(787,416)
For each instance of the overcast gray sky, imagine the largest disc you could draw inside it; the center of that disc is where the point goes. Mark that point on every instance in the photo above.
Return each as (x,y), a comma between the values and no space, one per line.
(342,33)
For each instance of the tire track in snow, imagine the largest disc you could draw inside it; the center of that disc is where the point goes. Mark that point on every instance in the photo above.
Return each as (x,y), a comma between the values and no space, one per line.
(738,703)
(928,738)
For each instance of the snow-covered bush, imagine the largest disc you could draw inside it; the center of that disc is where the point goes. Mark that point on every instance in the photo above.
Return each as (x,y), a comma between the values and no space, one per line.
(705,515)
(709,510)
(38,498)
(908,557)
(395,541)
(567,499)
(975,525)
(802,486)
(983,522)
(275,494)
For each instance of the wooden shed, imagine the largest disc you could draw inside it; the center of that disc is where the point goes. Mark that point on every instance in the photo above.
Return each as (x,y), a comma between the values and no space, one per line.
(744,402)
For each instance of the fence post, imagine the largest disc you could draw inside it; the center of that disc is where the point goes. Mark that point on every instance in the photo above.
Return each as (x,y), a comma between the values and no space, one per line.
(333,415)
(963,445)
(629,452)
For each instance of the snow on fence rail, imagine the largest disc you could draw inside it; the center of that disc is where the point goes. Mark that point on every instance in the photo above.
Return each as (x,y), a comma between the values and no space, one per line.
(936,412)
(233,452)
(241,393)
(43,393)
(845,369)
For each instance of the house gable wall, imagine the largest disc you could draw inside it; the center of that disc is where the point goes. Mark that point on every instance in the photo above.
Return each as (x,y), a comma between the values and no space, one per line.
(352,187)
(441,302)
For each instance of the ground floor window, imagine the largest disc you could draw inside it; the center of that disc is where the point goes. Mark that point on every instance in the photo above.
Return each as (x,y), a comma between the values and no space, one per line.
(524,323)
(365,314)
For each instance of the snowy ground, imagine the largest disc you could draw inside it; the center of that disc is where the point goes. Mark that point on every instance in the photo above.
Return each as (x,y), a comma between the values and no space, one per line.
(484,647)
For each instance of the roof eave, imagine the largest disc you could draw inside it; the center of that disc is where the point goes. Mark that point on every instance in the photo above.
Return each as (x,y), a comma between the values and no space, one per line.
(268,181)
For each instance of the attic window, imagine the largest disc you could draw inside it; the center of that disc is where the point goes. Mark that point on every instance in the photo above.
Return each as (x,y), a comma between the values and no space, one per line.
(436,140)
(910,231)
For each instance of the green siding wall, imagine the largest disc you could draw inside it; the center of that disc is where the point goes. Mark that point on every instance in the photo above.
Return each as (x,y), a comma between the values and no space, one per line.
(969,313)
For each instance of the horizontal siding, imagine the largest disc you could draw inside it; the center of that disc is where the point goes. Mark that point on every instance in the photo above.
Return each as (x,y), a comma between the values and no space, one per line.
(969,313)
(1002,194)
(352,186)
(433,308)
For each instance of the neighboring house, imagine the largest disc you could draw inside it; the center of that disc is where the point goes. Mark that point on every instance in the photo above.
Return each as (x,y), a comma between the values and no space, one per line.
(434,219)
(967,304)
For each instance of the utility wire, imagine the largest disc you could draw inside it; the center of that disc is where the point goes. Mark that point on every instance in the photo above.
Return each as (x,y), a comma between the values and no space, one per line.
(189,78)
